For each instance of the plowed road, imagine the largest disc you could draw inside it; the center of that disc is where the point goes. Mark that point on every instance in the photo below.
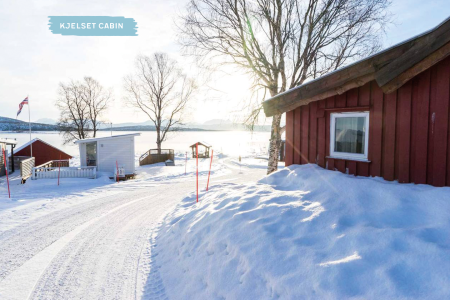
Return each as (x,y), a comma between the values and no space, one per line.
(100,249)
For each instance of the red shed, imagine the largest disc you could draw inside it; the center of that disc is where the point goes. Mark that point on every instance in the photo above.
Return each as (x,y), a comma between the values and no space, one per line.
(42,151)
(387,115)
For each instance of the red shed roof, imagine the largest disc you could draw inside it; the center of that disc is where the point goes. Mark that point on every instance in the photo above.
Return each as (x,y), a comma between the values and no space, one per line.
(16,150)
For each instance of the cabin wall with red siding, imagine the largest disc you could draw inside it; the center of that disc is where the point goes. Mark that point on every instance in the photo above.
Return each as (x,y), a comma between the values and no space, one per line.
(409,130)
(43,153)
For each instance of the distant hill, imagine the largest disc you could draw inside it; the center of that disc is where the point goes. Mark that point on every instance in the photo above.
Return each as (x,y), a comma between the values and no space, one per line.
(46,121)
(47,124)
(8,124)
(146,128)
(217,122)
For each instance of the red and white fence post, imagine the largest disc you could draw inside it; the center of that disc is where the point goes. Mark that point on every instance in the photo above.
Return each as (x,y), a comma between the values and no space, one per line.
(6,169)
(210,164)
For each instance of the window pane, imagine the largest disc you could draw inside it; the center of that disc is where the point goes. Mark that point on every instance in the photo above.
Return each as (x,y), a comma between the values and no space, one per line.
(350,135)
(91,154)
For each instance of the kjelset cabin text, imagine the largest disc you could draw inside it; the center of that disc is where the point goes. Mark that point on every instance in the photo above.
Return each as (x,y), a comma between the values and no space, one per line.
(387,115)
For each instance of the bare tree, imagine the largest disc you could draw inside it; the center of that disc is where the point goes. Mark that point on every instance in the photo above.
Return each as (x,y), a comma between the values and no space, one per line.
(161,90)
(97,100)
(81,106)
(282,43)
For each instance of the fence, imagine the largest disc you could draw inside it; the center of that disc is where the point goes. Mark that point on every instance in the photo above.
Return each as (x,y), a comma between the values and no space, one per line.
(45,172)
(26,167)
(152,156)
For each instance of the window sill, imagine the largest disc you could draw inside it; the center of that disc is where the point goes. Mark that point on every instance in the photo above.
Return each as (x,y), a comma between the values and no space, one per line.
(349,158)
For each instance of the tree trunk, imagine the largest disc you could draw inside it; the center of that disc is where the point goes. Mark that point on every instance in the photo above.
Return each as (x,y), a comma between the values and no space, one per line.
(274,145)
(158,141)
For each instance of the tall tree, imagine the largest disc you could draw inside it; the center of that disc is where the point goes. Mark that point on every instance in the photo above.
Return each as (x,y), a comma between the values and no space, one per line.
(162,91)
(282,43)
(81,105)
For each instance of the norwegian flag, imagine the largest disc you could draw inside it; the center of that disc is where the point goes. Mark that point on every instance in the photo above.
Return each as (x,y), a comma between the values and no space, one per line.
(25,101)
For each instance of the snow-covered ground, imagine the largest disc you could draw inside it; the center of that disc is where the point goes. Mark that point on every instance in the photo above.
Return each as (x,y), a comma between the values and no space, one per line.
(93,238)
(307,233)
(37,197)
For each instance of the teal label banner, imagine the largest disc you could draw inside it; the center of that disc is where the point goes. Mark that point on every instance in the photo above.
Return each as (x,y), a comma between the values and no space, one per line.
(93,26)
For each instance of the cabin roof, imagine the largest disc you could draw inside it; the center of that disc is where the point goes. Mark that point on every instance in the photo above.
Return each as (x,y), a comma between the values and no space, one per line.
(203,144)
(16,150)
(391,68)
(8,141)
(106,138)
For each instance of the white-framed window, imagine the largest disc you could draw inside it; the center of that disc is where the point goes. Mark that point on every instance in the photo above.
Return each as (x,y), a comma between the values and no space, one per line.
(349,135)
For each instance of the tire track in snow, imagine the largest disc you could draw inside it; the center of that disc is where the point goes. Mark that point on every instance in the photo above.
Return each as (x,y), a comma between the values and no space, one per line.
(22,243)
(21,282)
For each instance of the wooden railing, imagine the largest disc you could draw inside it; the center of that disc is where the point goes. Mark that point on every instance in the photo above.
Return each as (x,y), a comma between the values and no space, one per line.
(45,171)
(26,168)
(153,156)
(55,164)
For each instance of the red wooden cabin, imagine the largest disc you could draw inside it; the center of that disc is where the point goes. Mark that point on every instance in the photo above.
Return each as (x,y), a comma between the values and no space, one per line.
(42,151)
(387,115)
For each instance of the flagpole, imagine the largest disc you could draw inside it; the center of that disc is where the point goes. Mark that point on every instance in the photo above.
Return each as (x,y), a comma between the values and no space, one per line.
(29,125)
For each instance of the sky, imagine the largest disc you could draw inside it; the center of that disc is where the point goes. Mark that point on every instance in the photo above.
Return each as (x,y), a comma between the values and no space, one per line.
(33,61)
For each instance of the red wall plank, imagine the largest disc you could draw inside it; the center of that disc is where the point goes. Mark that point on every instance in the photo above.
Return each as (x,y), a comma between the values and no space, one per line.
(351,166)
(289,148)
(313,133)
(304,134)
(341,100)
(330,162)
(297,115)
(340,165)
(330,102)
(352,98)
(362,168)
(364,95)
(376,130)
(421,98)
(440,129)
(404,131)
(390,107)
(321,136)
(431,122)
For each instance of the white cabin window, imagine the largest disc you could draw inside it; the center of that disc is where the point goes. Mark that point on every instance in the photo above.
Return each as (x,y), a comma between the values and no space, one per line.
(349,135)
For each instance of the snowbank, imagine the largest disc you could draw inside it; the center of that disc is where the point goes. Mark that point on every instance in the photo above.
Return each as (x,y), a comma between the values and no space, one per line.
(308,233)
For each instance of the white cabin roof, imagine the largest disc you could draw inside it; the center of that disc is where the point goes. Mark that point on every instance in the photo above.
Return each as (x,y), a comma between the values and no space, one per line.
(106,138)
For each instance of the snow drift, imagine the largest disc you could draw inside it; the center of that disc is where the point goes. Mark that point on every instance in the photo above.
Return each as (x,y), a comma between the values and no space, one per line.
(308,233)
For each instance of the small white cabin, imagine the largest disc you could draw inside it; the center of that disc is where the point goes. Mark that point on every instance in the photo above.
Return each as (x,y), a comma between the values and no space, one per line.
(103,152)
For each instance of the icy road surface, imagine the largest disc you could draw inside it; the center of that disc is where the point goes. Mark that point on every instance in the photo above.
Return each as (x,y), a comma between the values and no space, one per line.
(98,249)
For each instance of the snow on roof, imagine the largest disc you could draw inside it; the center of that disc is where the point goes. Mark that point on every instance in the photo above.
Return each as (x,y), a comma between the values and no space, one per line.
(35,140)
(105,138)
(359,61)
(8,141)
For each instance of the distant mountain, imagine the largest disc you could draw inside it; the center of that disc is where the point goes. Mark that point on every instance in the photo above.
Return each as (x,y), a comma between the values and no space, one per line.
(217,122)
(146,128)
(210,125)
(46,121)
(129,124)
(8,124)
(47,124)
